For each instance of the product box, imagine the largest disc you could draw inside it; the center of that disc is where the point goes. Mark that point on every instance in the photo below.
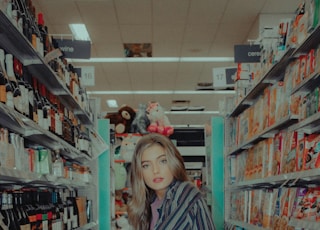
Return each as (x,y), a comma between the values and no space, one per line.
(313,14)
(300,151)
(298,206)
(311,63)
(256,217)
(250,165)
(241,162)
(275,102)
(311,158)
(277,154)
(267,157)
(288,160)
(266,104)
(268,207)
(303,107)
(257,126)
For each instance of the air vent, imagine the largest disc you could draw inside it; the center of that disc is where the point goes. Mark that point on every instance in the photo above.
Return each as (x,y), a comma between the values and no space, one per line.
(204,86)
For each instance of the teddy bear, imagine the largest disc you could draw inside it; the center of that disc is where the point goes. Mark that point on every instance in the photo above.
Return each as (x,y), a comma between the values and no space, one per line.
(122,119)
(159,122)
(141,120)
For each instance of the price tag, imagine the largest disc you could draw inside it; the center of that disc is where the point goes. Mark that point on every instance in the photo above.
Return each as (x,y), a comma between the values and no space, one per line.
(219,77)
(87,76)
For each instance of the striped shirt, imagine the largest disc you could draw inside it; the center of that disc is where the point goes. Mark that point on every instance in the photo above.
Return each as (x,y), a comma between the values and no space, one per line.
(184,208)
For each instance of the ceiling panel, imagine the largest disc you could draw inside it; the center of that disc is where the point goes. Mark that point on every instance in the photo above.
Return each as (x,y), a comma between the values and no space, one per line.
(192,28)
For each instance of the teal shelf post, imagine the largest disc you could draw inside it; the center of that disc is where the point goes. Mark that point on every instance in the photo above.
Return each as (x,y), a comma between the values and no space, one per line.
(217,166)
(104,178)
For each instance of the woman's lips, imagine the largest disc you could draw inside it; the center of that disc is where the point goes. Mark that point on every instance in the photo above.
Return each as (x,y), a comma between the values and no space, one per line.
(157,180)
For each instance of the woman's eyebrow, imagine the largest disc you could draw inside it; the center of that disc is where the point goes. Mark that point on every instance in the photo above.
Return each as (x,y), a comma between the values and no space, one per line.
(158,157)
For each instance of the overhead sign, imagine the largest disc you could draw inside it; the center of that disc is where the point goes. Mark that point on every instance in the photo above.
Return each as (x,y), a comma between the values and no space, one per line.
(247,53)
(87,75)
(75,48)
(223,77)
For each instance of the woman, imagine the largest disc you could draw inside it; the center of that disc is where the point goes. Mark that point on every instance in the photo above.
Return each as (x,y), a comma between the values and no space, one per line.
(163,198)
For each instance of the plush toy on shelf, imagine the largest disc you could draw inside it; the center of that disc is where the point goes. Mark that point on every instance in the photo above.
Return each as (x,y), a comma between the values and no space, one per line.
(122,119)
(123,224)
(159,122)
(128,145)
(119,202)
(141,120)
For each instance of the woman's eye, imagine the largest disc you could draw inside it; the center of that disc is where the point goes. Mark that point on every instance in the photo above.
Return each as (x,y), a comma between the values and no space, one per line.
(163,161)
(145,166)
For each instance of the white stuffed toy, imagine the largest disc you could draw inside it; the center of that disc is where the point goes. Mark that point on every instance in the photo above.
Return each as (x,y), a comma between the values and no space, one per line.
(123,223)
(159,122)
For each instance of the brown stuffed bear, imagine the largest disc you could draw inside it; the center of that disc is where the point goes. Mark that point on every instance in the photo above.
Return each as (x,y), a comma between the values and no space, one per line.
(122,119)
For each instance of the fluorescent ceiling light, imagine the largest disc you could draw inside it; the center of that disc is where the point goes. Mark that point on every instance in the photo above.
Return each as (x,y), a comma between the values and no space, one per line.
(157,59)
(191,112)
(79,32)
(112,103)
(168,92)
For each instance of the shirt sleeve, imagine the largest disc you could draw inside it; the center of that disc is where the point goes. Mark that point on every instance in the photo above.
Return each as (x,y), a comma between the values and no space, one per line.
(202,216)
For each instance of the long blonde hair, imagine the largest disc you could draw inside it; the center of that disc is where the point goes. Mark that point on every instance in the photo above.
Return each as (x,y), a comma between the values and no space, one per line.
(139,211)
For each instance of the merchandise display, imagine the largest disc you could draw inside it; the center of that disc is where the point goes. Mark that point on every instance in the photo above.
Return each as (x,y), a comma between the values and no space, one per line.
(272,144)
(47,136)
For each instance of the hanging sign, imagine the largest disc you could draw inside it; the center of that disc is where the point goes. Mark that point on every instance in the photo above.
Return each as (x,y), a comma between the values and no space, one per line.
(87,75)
(75,48)
(247,53)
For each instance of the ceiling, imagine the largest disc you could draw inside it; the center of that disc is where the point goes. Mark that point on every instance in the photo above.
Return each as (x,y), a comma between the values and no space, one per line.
(175,28)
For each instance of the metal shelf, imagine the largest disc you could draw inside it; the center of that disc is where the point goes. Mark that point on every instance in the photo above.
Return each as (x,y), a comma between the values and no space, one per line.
(275,73)
(23,178)
(269,132)
(17,44)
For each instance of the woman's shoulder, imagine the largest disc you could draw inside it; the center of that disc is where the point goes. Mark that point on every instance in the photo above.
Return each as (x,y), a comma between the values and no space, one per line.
(186,187)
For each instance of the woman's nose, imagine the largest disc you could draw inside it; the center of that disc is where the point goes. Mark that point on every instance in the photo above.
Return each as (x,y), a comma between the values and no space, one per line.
(155,168)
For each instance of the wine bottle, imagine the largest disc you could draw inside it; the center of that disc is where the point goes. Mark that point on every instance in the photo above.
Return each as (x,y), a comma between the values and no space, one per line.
(29,207)
(18,72)
(44,34)
(38,115)
(13,81)
(46,107)
(8,87)
(3,83)
(29,102)
(24,224)
(75,215)
(60,211)
(14,224)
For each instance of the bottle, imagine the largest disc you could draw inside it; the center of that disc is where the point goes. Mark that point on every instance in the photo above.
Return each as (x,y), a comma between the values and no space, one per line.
(30,208)
(8,88)
(3,81)
(29,103)
(46,107)
(13,82)
(20,213)
(58,168)
(18,72)
(44,34)
(38,106)
(13,224)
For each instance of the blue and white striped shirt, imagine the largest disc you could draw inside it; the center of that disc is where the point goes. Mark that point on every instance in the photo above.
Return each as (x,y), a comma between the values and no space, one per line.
(184,208)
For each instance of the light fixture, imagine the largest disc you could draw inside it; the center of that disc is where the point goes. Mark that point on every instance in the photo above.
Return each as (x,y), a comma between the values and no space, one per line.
(154,92)
(156,59)
(188,112)
(112,103)
(79,32)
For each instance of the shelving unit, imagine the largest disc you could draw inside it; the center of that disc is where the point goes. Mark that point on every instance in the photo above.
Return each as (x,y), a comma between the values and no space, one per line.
(292,123)
(15,43)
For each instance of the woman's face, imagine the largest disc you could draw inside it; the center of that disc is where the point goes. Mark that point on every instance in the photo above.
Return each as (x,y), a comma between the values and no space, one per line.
(155,170)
